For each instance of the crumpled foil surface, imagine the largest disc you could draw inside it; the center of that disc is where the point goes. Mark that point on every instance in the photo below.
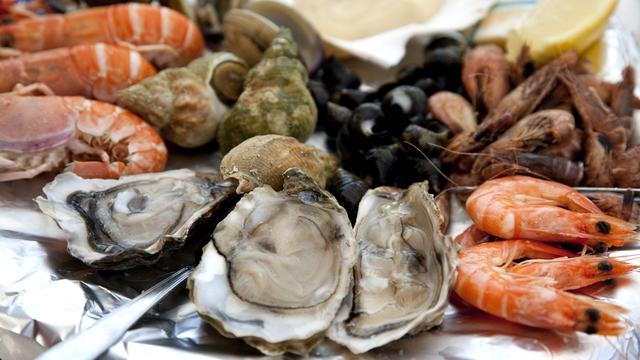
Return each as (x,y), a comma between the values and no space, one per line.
(47,296)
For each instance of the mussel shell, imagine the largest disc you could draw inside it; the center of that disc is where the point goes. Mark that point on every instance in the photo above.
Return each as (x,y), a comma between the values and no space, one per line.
(426,140)
(352,98)
(401,104)
(368,126)
(384,164)
(336,76)
(335,118)
(348,189)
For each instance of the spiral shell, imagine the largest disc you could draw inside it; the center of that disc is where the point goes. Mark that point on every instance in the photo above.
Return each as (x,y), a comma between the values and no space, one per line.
(275,99)
(186,104)
(262,160)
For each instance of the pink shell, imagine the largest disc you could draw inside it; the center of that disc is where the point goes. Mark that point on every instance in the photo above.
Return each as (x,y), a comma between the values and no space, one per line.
(31,126)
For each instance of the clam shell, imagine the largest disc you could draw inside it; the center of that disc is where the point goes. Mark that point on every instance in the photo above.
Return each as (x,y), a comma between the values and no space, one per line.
(262,160)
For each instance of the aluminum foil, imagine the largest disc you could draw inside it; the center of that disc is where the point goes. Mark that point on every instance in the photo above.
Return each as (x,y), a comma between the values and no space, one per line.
(46,296)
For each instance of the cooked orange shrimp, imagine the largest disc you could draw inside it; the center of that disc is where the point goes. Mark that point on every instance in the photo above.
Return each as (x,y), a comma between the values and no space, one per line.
(521,207)
(484,283)
(94,71)
(164,36)
(575,272)
(43,133)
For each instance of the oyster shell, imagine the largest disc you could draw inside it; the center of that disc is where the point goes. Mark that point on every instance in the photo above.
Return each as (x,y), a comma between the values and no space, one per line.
(278,268)
(275,99)
(119,224)
(405,270)
(261,160)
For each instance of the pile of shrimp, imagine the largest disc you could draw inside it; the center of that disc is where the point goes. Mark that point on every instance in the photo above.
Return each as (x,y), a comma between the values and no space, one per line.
(559,123)
(523,215)
(60,75)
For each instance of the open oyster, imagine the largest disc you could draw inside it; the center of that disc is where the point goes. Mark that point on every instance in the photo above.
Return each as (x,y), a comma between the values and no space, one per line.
(405,271)
(118,224)
(278,268)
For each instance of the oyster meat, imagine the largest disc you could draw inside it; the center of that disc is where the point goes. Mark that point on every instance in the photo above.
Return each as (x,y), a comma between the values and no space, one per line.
(119,224)
(279,267)
(405,271)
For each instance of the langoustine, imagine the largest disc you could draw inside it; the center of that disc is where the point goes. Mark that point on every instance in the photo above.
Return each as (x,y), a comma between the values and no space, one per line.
(43,133)
(164,36)
(96,71)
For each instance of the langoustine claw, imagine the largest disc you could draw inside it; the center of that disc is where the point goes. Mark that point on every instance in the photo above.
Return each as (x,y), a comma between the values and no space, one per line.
(521,207)
(43,133)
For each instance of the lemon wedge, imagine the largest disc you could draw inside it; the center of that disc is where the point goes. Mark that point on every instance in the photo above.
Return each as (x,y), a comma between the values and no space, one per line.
(555,26)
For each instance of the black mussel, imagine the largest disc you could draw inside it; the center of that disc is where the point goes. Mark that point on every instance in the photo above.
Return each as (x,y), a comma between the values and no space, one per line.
(444,56)
(401,104)
(423,120)
(450,39)
(426,140)
(417,169)
(383,163)
(406,76)
(429,86)
(352,98)
(348,190)
(335,118)
(350,155)
(336,76)
(319,93)
(368,126)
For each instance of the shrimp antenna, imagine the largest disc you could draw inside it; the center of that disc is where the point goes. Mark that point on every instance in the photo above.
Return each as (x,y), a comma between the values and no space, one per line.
(432,164)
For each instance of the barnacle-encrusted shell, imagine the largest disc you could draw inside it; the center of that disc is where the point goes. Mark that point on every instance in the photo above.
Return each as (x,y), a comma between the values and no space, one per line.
(405,270)
(261,160)
(119,224)
(181,103)
(278,268)
(275,99)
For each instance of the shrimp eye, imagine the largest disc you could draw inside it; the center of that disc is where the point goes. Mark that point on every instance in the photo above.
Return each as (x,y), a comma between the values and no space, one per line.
(605,266)
(603,227)
(6,40)
(591,330)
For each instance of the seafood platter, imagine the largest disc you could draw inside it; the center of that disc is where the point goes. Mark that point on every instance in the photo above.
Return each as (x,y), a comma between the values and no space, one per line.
(471,193)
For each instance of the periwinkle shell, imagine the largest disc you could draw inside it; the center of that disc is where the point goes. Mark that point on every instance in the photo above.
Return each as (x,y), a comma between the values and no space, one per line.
(275,100)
